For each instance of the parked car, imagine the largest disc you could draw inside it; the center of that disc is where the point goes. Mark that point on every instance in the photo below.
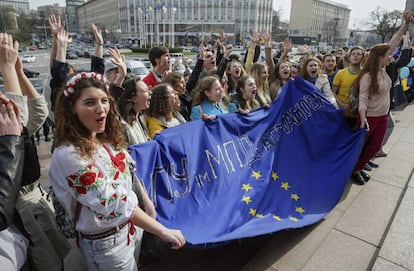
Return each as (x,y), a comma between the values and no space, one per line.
(136,68)
(31,73)
(37,82)
(26,58)
(71,55)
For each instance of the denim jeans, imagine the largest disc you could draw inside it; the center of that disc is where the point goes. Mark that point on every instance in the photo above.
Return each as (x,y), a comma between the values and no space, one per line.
(112,252)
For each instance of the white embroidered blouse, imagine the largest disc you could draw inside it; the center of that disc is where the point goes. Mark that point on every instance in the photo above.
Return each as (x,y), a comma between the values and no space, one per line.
(102,187)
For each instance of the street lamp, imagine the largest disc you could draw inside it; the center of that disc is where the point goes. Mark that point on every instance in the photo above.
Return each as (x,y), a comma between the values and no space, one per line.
(335,29)
(173,11)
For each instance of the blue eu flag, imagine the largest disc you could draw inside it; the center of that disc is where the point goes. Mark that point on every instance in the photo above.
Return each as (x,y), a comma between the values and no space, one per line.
(241,175)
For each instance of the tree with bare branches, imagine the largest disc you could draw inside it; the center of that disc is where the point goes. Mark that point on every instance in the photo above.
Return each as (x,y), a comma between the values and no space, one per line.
(385,23)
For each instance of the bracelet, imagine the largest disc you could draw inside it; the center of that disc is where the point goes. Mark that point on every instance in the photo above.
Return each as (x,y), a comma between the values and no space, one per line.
(99,43)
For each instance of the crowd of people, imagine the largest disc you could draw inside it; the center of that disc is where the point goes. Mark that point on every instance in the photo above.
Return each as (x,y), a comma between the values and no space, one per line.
(97,114)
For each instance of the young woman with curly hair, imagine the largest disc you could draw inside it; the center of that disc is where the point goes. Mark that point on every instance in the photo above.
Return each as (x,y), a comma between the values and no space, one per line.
(163,110)
(90,173)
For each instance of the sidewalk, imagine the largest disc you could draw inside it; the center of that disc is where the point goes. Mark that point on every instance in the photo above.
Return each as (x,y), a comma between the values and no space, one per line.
(371,228)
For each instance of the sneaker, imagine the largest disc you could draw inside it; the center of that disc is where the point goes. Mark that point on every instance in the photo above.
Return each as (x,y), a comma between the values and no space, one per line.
(372,164)
(381,153)
(358,179)
(365,176)
(367,167)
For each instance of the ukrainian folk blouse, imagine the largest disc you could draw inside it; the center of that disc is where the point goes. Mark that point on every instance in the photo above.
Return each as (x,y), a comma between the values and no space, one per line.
(101,186)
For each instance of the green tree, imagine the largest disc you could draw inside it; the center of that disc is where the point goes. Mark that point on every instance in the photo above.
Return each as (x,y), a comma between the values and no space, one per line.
(385,23)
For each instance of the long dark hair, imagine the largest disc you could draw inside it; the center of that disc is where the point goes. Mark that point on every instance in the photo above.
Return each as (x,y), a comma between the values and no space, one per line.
(160,106)
(125,103)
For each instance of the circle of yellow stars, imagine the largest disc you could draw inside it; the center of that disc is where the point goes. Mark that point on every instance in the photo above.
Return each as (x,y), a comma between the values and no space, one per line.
(246,187)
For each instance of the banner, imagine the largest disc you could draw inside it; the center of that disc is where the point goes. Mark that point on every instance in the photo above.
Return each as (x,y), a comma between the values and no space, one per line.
(241,175)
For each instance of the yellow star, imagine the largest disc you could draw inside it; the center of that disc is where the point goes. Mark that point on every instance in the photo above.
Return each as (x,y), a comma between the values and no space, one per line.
(285,185)
(246,187)
(274,176)
(277,217)
(246,199)
(294,219)
(294,197)
(256,174)
(259,216)
(300,210)
(252,212)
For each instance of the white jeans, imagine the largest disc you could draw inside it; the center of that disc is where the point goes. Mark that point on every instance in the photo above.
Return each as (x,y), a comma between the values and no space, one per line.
(112,252)
(13,249)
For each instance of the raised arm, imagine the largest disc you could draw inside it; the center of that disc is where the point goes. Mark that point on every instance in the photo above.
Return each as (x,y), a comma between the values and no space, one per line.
(119,60)
(98,41)
(56,24)
(408,19)
(11,156)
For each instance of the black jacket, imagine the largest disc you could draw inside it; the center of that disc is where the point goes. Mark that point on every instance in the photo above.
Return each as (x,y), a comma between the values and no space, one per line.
(11,166)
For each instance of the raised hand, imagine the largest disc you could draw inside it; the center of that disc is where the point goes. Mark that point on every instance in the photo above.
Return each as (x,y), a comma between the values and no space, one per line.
(55,24)
(119,60)
(254,37)
(265,35)
(9,117)
(98,34)
(8,50)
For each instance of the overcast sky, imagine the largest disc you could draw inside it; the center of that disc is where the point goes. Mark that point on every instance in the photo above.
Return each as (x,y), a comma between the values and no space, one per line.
(360,9)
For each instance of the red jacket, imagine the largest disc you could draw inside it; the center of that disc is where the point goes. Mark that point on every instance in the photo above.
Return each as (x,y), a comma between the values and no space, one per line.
(151,80)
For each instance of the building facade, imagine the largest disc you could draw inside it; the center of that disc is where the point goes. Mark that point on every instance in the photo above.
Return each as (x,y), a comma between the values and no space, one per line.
(103,13)
(71,19)
(186,22)
(322,21)
(21,6)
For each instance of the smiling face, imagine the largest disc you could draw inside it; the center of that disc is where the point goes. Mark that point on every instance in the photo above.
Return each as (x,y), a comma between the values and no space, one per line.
(180,86)
(142,97)
(172,97)
(264,75)
(92,108)
(215,93)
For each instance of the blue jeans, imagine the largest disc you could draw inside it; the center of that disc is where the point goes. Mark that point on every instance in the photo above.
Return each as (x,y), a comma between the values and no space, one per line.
(112,252)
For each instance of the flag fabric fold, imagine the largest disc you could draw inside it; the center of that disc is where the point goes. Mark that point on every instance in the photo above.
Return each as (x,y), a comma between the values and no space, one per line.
(241,175)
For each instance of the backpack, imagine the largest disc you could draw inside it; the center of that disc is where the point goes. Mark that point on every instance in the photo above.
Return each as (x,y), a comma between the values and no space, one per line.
(66,224)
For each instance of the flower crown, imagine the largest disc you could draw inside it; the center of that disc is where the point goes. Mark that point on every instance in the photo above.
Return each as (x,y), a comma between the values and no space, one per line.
(70,84)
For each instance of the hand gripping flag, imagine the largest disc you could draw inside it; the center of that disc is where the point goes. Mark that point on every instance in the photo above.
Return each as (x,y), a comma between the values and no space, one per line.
(241,175)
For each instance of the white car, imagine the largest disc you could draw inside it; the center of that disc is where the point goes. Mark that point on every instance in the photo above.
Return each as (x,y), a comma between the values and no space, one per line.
(26,58)
(136,68)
